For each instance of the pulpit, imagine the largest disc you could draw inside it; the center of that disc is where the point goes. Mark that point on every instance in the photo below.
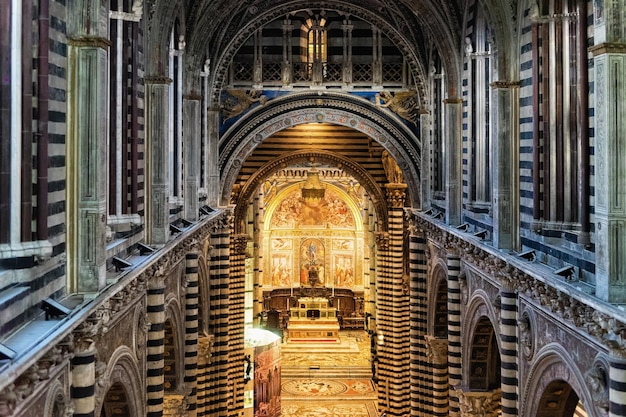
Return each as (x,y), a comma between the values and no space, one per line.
(313,320)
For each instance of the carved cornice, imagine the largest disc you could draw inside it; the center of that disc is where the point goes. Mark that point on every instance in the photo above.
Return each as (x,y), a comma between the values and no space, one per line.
(608,48)
(606,329)
(157,79)
(89,42)
(192,97)
(505,84)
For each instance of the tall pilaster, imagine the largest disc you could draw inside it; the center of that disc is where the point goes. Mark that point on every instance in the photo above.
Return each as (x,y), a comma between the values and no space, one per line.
(508,336)
(191,136)
(191,331)
(438,355)
(617,386)
(393,312)
(454,201)
(419,368)
(505,133)
(86,160)
(610,149)
(455,374)
(155,347)
(425,137)
(157,165)
(212,156)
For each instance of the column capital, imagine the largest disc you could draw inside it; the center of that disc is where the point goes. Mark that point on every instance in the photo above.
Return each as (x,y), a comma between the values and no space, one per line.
(157,79)
(608,48)
(240,243)
(479,403)
(396,194)
(437,349)
(505,84)
(382,240)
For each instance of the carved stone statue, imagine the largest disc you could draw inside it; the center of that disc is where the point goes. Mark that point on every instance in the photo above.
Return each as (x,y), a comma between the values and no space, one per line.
(404,104)
(392,170)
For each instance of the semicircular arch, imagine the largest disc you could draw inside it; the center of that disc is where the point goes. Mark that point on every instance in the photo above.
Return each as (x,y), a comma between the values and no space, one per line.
(238,143)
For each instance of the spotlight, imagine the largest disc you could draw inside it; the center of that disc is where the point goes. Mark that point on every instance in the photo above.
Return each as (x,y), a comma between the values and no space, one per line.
(6,353)
(175,229)
(120,264)
(206,210)
(186,223)
(144,249)
(566,271)
(429,212)
(54,309)
(439,215)
(481,235)
(529,255)
(463,227)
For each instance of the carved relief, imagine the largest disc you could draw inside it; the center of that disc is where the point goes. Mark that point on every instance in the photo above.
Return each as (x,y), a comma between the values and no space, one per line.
(597,381)
(526,339)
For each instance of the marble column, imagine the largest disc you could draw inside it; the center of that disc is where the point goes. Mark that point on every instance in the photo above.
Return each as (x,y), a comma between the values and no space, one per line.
(617,386)
(212,157)
(508,336)
(453,159)
(504,147)
(419,368)
(425,139)
(83,382)
(455,374)
(157,165)
(438,356)
(155,347)
(191,137)
(610,152)
(204,391)
(86,162)
(393,310)
(191,331)
(239,245)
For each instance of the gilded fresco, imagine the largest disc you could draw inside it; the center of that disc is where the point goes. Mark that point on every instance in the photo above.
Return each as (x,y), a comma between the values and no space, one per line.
(331,211)
(343,271)
(282,269)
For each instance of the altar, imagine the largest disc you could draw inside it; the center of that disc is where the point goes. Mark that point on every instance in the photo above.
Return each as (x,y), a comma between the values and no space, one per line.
(312,320)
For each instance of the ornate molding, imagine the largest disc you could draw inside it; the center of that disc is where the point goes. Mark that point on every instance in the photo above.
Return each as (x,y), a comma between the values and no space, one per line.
(479,403)
(437,349)
(89,42)
(396,194)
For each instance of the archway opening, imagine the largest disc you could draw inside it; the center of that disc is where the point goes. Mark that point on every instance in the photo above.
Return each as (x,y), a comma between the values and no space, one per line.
(116,402)
(559,399)
(485,358)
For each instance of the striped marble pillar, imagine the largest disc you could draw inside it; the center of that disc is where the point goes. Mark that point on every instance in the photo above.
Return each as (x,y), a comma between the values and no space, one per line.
(83,382)
(191,331)
(205,351)
(155,347)
(455,375)
(438,355)
(419,369)
(393,312)
(239,244)
(617,386)
(508,335)
(218,390)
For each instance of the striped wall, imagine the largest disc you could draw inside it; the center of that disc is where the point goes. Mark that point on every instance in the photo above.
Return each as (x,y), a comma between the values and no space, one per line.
(155,347)
(191,331)
(455,374)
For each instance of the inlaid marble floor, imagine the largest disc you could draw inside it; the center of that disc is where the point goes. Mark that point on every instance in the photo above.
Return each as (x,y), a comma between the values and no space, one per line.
(334,392)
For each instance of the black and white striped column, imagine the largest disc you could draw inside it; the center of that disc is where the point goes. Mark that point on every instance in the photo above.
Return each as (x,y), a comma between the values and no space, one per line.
(438,354)
(191,331)
(237,288)
(455,375)
(393,312)
(155,347)
(508,336)
(617,386)
(419,369)
(218,393)
(83,383)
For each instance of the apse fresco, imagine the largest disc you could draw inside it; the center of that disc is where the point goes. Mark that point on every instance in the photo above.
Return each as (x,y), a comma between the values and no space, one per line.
(330,211)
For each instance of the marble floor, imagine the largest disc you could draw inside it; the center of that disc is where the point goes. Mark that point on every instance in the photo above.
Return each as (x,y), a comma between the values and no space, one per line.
(328,380)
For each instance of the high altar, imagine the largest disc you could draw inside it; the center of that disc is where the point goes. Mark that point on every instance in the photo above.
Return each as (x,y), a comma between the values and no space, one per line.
(313,320)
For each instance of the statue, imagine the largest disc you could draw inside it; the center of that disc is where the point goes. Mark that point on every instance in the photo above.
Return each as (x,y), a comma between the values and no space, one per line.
(404,104)
(392,170)
(239,101)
